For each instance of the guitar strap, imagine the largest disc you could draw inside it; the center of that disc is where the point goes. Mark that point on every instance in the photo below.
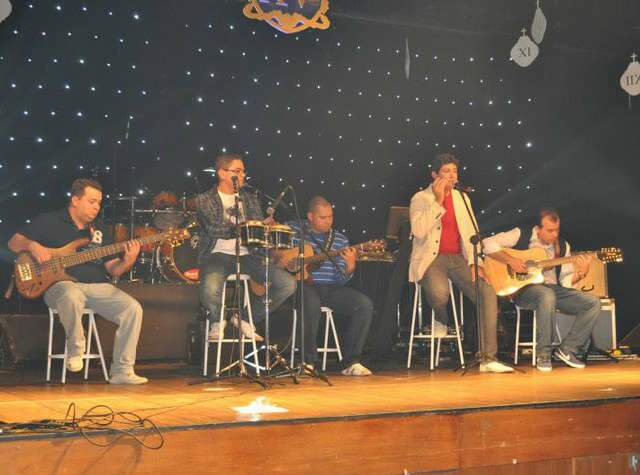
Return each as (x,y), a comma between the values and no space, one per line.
(325,248)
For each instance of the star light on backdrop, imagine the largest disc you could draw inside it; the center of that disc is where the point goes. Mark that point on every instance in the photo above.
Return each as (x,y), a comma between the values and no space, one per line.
(159,91)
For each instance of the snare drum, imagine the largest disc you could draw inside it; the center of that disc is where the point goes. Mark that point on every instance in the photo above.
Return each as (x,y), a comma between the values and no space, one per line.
(254,234)
(280,236)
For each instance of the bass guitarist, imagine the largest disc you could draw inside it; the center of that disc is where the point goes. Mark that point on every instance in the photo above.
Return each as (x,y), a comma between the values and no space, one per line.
(91,288)
(326,287)
(557,292)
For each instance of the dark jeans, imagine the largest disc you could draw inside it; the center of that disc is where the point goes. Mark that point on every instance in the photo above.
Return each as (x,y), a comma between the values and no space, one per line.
(344,301)
(545,299)
(217,267)
(436,287)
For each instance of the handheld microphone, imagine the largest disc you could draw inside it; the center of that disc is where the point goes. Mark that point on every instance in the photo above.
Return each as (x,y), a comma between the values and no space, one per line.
(236,186)
(272,209)
(464,189)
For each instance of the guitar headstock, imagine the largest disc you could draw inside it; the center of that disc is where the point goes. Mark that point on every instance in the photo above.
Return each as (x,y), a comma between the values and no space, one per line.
(175,236)
(375,246)
(610,254)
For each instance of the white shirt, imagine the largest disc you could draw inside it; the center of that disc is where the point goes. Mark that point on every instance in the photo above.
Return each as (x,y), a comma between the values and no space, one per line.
(510,238)
(228,246)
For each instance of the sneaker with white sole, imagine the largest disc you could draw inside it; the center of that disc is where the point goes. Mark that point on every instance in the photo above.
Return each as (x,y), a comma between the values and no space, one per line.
(246,328)
(215,329)
(356,369)
(75,363)
(569,358)
(127,378)
(543,363)
(495,366)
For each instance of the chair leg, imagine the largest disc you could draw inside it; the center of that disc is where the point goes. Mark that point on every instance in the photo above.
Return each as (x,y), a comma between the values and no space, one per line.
(413,324)
(534,339)
(432,338)
(105,373)
(326,342)
(247,304)
(293,336)
(335,337)
(517,344)
(205,360)
(220,333)
(87,346)
(50,345)
(64,363)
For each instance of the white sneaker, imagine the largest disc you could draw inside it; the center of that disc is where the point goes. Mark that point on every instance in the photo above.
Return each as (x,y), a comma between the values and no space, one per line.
(127,378)
(246,328)
(440,330)
(75,363)
(215,329)
(356,369)
(495,367)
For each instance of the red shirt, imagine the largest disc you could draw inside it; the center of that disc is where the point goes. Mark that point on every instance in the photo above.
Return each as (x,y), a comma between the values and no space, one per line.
(450,238)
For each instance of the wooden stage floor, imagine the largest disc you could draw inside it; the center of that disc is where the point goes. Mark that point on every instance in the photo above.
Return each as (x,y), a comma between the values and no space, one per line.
(427,413)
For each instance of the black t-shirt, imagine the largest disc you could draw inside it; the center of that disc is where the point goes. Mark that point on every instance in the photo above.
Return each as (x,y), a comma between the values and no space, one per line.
(56,229)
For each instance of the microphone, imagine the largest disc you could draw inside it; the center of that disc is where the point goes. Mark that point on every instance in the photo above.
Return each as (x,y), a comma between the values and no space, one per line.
(464,189)
(236,186)
(272,209)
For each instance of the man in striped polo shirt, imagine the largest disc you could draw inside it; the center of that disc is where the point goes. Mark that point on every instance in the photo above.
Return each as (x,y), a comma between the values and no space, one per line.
(327,288)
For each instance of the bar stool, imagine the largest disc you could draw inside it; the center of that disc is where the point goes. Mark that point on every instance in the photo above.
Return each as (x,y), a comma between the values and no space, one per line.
(417,310)
(519,344)
(326,349)
(92,333)
(244,281)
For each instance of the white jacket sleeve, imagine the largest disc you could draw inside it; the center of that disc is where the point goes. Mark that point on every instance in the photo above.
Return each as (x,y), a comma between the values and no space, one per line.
(424,215)
(499,241)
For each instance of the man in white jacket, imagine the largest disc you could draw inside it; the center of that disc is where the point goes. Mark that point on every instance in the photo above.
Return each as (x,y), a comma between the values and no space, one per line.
(442,251)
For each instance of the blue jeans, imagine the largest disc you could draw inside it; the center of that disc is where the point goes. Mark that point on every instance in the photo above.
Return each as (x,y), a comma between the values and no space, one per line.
(344,301)
(215,269)
(545,299)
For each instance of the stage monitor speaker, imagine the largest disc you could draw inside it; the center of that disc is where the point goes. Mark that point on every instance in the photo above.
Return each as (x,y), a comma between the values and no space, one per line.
(604,331)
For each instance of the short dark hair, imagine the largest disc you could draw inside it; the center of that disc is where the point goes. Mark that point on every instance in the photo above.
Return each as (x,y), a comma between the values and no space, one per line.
(443,159)
(80,184)
(224,160)
(317,201)
(550,213)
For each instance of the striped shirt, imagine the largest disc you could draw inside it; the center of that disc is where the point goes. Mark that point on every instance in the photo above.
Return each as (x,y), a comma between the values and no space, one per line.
(327,272)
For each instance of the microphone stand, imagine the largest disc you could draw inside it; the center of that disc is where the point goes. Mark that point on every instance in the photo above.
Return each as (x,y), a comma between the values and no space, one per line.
(480,356)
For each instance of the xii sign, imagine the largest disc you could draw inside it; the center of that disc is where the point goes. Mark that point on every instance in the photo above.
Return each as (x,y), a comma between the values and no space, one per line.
(290,16)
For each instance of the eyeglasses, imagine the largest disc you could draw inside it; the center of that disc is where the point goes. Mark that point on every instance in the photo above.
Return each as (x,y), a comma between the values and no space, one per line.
(237,171)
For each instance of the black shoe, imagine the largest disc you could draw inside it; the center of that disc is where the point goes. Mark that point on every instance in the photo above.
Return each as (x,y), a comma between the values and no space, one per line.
(569,358)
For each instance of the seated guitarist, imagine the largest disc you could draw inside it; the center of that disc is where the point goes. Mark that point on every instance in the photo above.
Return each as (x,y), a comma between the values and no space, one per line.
(557,291)
(326,287)
(58,228)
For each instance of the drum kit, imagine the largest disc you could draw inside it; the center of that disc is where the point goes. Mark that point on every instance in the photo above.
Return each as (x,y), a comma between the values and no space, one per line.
(166,262)
(159,262)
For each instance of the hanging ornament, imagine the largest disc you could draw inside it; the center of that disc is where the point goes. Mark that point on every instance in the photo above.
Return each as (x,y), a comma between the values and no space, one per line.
(525,51)
(5,9)
(630,79)
(407,58)
(538,25)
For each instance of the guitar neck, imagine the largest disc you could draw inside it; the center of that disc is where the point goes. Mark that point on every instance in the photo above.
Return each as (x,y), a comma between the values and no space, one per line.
(104,251)
(318,258)
(558,261)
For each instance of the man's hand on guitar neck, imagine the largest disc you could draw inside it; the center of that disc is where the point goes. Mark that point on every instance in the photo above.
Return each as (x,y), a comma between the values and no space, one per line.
(349,255)
(39,252)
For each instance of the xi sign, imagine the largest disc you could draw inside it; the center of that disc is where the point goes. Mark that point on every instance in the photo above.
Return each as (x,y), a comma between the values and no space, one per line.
(630,79)
(525,51)
(290,16)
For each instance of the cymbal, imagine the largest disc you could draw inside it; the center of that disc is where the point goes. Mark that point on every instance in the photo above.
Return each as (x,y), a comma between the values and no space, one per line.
(126,198)
(209,170)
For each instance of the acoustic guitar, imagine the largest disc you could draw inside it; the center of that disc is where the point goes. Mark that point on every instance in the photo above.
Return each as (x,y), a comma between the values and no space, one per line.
(506,281)
(33,279)
(289,260)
